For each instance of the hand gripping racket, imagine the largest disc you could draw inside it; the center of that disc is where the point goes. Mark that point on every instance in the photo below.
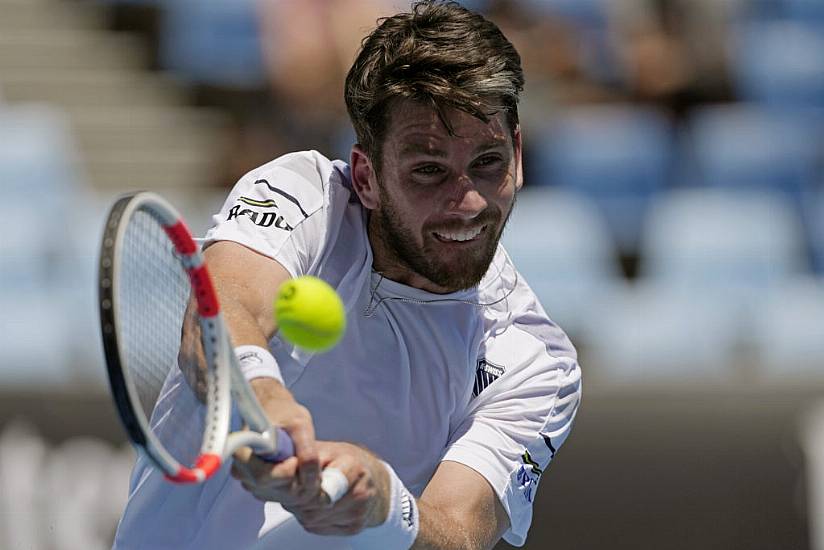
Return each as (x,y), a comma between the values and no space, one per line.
(173,373)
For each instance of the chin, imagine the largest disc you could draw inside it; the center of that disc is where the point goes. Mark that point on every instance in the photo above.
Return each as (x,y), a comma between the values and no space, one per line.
(466,274)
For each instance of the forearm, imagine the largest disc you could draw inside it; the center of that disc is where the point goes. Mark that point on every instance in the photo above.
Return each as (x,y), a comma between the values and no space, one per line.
(243,329)
(246,284)
(439,530)
(244,321)
(459,509)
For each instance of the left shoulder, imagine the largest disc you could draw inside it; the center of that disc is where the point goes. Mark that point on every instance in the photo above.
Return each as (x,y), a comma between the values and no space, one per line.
(513,316)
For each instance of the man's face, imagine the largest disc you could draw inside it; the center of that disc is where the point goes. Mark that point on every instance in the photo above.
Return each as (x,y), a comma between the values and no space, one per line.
(442,200)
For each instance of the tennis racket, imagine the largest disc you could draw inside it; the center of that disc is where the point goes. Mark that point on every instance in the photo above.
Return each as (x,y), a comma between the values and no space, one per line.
(173,373)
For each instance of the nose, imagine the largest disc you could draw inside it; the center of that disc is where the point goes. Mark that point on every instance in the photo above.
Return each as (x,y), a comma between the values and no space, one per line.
(467,202)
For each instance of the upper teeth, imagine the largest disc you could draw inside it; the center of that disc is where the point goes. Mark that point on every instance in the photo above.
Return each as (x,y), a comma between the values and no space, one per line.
(461,235)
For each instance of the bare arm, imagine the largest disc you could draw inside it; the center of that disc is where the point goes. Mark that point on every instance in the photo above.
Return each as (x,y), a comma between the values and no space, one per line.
(246,284)
(459,510)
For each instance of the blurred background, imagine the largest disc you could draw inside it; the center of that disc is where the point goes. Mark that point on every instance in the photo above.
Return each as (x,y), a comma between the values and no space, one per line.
(672,222)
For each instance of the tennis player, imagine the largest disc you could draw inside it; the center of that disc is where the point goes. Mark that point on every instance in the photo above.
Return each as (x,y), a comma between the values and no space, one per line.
(451,390)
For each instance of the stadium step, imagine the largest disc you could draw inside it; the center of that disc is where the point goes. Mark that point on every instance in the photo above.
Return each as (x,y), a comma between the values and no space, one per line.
(69,49)
(133,129)
(150,169)
(75,88)
(48,15)
(107,128)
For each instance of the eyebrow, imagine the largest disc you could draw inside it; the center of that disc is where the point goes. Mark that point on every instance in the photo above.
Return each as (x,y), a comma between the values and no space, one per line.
(431,151)
(493,143)
(422,149)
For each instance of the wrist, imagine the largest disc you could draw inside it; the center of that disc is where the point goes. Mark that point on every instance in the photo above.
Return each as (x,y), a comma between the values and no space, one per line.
(257,362)
(269,388)
(380,509)
(399,528)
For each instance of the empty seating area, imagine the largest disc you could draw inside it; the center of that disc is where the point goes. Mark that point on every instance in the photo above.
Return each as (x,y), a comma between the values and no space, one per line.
(720,211)
(671,244)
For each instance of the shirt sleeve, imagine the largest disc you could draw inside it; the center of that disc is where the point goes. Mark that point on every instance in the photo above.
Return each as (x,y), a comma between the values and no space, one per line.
(278,210)
(526,394)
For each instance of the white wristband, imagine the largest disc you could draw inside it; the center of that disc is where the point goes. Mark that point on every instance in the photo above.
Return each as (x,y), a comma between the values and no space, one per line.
(256,362)
(401,526)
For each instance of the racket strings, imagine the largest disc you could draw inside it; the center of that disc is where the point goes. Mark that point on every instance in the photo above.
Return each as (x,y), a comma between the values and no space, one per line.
(152,297)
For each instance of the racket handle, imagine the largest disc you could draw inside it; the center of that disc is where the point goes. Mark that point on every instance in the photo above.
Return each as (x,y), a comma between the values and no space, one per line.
(285,448)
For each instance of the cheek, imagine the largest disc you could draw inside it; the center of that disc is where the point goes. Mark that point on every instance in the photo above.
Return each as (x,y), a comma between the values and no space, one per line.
(419,204)
(404,213)
(506,191)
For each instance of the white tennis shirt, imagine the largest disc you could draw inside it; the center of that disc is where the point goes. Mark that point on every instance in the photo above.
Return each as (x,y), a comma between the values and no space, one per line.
(482,377)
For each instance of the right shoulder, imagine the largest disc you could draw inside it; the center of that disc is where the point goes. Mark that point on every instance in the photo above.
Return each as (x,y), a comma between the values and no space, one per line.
(299,181)
(282,209)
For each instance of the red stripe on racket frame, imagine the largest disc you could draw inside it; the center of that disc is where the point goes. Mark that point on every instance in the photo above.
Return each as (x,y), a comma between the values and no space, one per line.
(208,464)
(181,237)
(207,304)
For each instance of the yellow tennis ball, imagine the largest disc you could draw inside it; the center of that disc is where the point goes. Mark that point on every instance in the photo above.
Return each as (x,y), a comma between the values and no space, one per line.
(309,313)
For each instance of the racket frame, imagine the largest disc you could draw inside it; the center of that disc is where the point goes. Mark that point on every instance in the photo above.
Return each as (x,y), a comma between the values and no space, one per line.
(225,382)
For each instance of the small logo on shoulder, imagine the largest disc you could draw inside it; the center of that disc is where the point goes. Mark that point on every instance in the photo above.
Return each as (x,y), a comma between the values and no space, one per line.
(485,374)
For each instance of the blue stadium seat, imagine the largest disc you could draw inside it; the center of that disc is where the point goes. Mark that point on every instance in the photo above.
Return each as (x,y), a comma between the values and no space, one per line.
(592,13)
(34,338)
(815,229)
(744,146)
(788,331)
(41,195)
(76,285)
(619,157)
(780,62)
(708,257)
(561,246)
(476,5)
(213,42)
(38,184)
(27,250)
(37,157)
(652,333)
(729,245)
(805,10)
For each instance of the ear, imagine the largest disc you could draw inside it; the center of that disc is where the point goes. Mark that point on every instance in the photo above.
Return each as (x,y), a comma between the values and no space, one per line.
(519,167)
(364,179)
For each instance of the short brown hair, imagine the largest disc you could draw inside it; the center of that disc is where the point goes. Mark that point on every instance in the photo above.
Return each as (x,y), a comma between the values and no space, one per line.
(440,54)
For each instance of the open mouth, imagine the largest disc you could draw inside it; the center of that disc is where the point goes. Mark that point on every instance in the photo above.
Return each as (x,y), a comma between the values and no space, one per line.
(461,236)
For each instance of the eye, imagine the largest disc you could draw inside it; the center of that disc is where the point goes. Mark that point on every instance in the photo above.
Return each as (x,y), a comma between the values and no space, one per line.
(428,170)
(488,161)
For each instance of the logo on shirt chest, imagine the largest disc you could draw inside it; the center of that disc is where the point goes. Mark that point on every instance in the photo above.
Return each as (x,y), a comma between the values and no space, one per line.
(485,374)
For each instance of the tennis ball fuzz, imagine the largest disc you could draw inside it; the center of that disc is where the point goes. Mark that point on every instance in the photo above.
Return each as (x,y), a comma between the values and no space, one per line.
(309,313)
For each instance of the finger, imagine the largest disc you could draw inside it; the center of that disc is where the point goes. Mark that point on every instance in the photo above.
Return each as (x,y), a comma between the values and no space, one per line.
(306,451)
(242,454)
(240,469)
(273,482)
(334,484)
(257,473)
(347,521)
(344,472)
(339,530)
(262,470)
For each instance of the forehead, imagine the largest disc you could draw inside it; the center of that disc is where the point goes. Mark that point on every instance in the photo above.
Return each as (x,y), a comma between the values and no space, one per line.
(414,127)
